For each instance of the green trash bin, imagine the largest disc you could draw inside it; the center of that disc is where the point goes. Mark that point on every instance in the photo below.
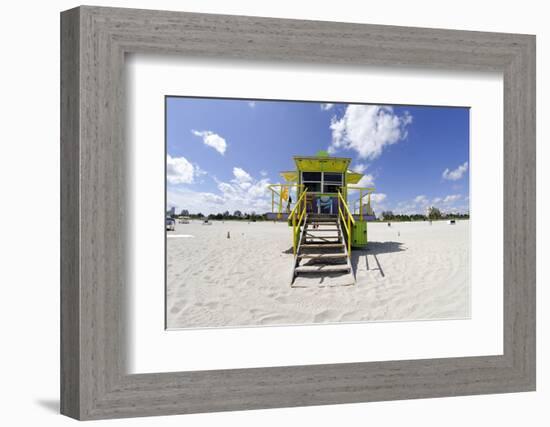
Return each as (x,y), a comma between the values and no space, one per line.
(359,234)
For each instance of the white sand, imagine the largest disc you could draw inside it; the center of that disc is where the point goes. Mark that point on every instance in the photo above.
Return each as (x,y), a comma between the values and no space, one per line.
(410,271)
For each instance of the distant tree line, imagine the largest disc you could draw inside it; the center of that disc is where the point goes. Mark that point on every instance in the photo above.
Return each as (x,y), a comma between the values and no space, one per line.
(222,216)
(433,214)
(238,216)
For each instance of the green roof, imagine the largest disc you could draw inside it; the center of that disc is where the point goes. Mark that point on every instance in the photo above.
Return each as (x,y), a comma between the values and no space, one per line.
(322,162)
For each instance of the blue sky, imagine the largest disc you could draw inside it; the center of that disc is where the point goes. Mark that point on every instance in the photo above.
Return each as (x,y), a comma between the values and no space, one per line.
(222,153)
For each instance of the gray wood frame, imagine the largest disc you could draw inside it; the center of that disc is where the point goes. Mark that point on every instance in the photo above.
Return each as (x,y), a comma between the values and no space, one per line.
(94,382)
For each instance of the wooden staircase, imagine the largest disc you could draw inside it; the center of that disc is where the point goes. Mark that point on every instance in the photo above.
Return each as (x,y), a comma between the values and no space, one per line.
(322,255)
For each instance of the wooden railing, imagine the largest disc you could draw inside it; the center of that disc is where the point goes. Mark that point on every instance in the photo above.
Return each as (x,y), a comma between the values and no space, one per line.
(278,198)
(363,192)
(346,218)
(297,216)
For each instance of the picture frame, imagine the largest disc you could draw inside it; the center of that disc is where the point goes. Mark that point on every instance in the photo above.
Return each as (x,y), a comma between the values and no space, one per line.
(94,380)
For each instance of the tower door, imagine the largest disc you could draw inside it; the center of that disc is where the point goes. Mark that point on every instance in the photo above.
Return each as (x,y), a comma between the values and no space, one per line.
(325,205)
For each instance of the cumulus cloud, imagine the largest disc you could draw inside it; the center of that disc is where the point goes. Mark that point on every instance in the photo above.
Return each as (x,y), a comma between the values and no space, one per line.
(241,175)
(180,171)
(366,180)
(421,200)
(406,208)
(418,205)
(378,197)
(194,201)
(451,198)
(212,140)
(367,129)
(452,203)
(243,192)
(212,198)
(378,201)
(455,203)
(359,167)
(456,174)
(326,106)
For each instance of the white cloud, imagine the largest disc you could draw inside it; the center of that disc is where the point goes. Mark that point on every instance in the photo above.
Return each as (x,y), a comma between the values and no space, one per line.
(451,198)
(326,107)
(452,203)
(242,192)
(378,197)
(231,196)
(212,198)
(180,171)
(377,201)
(241,176)
(407,208)
(421,200)
(212,140)
(263,173)
(252,104)
(245,193)
(456,174)
(359,167)
(415,206)
(419,204)
(194,201)
(455,203)
(366,180)
(367,129)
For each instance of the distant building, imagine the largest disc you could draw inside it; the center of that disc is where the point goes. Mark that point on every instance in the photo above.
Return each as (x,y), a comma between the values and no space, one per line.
(368,213)
(171,211)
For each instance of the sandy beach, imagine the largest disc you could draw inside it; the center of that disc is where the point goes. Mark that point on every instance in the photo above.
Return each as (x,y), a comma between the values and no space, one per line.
(410,271)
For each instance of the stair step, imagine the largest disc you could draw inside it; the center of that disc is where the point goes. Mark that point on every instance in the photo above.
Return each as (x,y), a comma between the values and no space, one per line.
(317,239)
(322,229)
(322,268)
(322,223)
(323,256)
(323,245)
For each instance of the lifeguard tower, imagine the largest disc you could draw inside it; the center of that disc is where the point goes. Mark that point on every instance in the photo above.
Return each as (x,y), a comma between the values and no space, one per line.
(314,202)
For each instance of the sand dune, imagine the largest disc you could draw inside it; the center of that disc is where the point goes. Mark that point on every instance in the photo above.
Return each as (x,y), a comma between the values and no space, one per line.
(410,271)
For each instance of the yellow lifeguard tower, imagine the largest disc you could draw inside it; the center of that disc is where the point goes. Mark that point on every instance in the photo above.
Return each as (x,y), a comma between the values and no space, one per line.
(324,228)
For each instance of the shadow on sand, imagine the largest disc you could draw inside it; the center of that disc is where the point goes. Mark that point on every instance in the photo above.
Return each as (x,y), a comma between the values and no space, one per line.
(374,249)
(362,255)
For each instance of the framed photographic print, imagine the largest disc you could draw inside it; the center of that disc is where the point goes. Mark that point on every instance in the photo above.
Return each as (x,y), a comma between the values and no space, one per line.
(250,245)
(262,213)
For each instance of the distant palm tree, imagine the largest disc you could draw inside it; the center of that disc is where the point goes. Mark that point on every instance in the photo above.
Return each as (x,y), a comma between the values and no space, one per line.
(434,213)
